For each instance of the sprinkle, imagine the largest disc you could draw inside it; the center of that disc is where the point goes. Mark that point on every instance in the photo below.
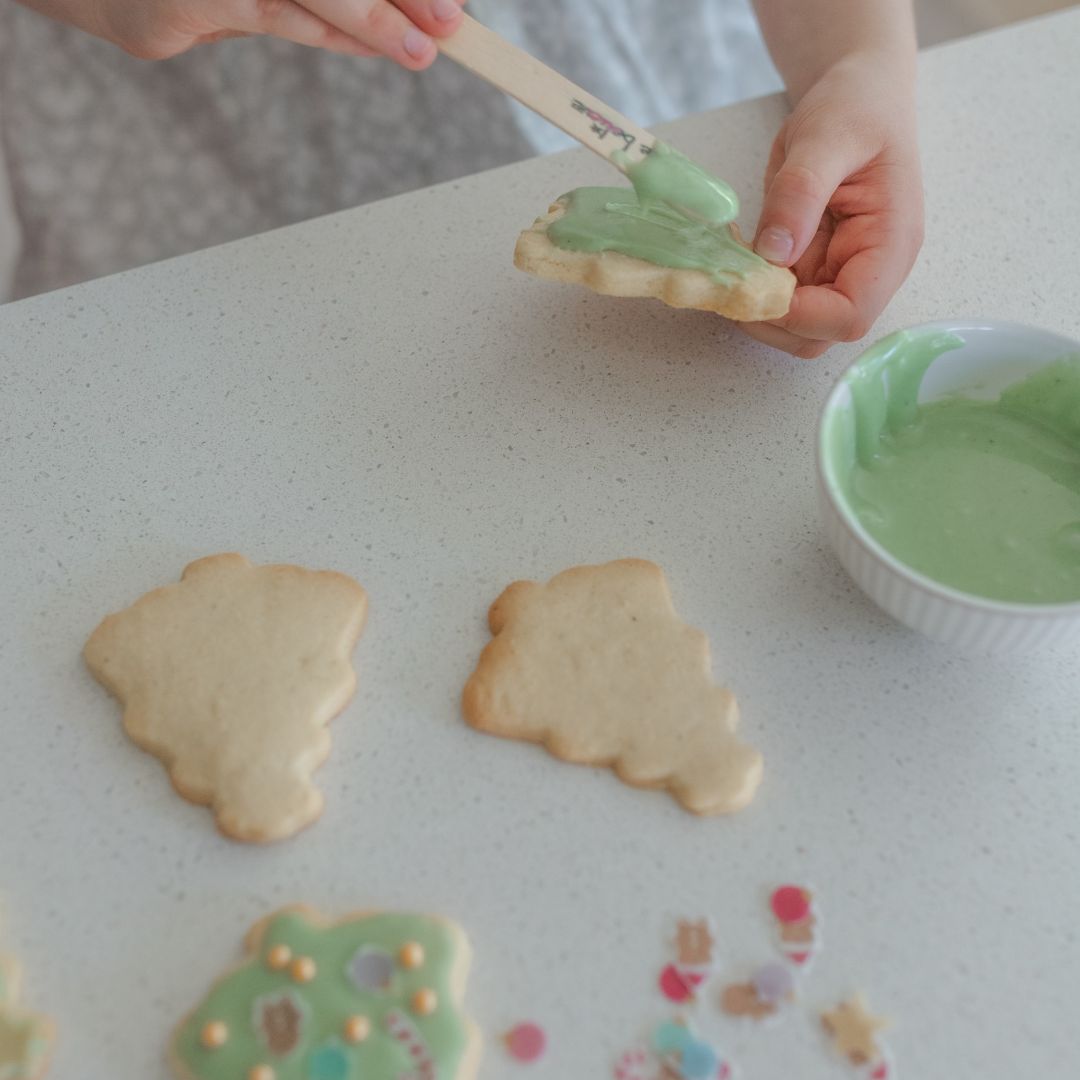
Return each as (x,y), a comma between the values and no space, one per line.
(677,986)
(302,969)
(773,983)
(357,1029)
(260,1072)
(371,969)
(411,954)
(790,903)
(526,1042)
(424,1002)
(278,957)
(215,1034)
(854,1031)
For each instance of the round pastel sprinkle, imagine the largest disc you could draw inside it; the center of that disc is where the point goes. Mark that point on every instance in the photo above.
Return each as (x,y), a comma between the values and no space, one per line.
(214,1034)
(302,969)
(526,1042)
(670,1037)
(698,1061)
(278,957)
(357,1029)
(411,954)
(790,904)
(773,983)
(329,1062)
(371,969)
(260,1072)
(424,1002)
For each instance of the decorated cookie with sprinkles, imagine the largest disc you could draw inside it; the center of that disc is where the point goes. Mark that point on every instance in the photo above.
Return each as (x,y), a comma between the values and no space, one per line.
(26,1039)
(373,996)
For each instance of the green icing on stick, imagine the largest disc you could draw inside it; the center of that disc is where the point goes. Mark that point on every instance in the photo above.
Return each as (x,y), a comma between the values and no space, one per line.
(366,997)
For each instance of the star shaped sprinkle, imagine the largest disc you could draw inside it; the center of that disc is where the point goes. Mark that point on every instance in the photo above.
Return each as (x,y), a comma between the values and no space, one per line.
(853,1029)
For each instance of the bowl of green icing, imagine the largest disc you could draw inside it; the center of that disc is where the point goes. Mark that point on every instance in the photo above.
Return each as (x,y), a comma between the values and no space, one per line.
(949,481)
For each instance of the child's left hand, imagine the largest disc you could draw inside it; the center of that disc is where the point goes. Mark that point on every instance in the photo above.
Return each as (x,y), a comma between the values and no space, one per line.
(843,205)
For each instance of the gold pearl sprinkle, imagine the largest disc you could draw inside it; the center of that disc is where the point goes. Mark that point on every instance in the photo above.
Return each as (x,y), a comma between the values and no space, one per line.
(357,1029)
(411,954)
(260,1072)
(424,1002)
(214,1034)
(302,969)
(278,957)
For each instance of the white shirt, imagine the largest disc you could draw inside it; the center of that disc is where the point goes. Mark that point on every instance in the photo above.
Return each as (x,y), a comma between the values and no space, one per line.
(652,60)
(114,162)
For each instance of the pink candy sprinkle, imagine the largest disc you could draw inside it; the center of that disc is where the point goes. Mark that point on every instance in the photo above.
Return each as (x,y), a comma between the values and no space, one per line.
(675,986)
(526,1042)
(790,904)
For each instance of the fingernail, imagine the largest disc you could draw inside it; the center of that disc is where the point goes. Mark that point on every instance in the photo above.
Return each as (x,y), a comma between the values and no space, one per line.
(445,10)
(417,44)
(775,244)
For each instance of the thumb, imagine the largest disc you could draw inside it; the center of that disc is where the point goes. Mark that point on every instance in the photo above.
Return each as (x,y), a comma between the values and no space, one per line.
(812,170)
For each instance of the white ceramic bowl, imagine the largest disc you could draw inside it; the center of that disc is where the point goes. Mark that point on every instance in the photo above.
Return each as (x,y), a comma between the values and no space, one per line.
(994,355)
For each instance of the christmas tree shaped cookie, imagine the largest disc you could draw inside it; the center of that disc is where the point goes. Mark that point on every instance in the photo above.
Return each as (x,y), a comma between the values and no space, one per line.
(598,667)
(25,1038)
(367,997)
(230,677)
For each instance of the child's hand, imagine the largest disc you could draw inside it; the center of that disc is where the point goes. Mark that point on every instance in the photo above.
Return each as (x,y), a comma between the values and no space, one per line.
(843,205)
(157,29)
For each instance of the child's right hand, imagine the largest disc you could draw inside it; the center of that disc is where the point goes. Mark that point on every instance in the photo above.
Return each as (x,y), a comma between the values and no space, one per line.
(402,30)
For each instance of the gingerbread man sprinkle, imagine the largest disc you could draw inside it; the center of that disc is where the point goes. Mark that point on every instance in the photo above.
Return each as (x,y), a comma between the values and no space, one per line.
(854,1030)
(694,943)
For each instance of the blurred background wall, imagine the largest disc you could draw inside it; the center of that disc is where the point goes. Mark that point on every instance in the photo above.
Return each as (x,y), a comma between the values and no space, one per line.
(938,21)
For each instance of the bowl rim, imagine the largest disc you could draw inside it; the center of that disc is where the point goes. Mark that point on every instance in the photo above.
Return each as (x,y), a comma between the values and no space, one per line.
(1069,609)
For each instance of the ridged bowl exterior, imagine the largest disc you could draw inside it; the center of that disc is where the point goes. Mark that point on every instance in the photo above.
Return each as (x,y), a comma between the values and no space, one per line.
(964,625)
(967,624)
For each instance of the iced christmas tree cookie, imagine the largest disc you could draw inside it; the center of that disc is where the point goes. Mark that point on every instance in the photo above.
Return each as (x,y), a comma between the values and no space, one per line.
(367,997)
(25,1038)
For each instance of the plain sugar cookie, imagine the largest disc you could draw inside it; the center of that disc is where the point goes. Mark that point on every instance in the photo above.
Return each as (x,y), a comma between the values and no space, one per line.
(597,666)
(230,677)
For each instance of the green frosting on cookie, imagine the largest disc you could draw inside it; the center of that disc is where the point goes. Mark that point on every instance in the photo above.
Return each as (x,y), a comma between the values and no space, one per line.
(371,997)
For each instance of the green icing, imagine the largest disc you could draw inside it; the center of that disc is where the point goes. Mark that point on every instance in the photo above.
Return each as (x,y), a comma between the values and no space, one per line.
(668,177)
(983,496)
(323,1005)
(676,215)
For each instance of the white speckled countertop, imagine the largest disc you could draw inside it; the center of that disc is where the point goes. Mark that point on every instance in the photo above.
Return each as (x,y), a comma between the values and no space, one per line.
(380,393)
